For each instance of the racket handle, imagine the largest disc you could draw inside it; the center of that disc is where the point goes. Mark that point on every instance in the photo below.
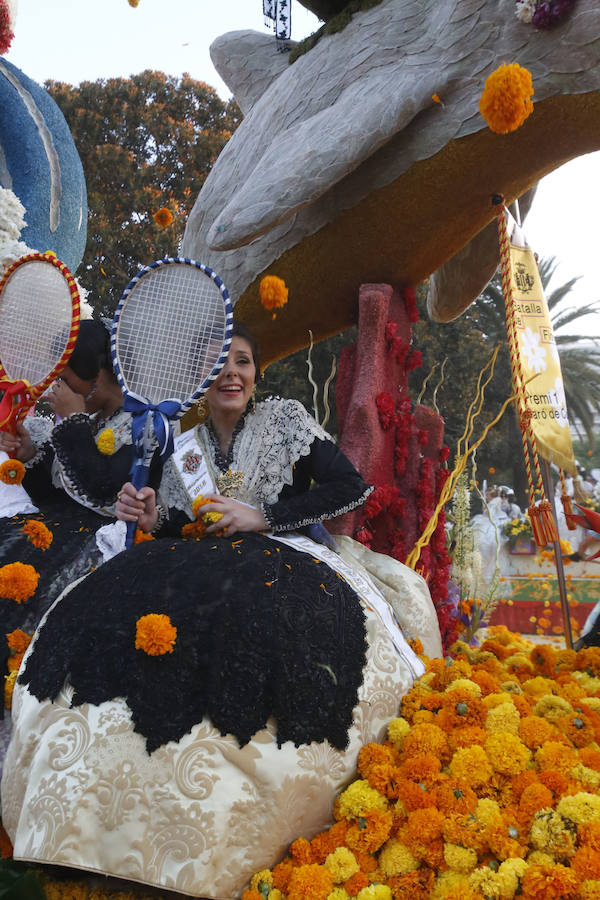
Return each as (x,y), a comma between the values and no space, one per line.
(131,529)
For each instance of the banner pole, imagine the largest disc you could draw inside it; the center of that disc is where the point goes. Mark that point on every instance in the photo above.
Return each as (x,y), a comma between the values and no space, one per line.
(560,570)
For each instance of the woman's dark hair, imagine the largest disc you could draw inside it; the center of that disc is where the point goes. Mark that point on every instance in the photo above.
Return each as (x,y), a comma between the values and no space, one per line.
(242,331)
(92,350)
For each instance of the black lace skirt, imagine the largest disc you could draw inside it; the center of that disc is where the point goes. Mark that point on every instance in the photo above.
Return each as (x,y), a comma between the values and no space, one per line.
(262,630)
(72,554)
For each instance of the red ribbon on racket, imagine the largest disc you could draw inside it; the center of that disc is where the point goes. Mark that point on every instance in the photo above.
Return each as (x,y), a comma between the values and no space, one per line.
(16,395)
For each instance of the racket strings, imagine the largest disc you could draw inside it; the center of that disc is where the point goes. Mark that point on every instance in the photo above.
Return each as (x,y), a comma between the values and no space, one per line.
(170,333)
(35,321)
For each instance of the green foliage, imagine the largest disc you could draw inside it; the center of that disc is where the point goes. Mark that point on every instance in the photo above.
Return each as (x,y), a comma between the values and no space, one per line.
(336,16)
(145,142)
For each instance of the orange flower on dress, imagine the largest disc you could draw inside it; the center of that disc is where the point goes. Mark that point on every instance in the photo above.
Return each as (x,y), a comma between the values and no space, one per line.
(154,634)
(163,217)
(18,641)
(18,581)
(39,535)
(273,292)
(12,471)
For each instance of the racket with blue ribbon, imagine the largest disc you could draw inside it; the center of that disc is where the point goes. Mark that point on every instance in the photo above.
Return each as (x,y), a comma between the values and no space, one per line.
(170,339)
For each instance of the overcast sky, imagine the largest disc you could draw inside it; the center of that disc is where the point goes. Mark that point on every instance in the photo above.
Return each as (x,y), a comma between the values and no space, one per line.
(77,40)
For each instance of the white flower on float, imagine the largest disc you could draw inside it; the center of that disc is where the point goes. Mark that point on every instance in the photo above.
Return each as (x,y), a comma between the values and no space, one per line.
(12,215)
(525,10)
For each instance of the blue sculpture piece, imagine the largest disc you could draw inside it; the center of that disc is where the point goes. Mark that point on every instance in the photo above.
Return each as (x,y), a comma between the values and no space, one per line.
(40,164)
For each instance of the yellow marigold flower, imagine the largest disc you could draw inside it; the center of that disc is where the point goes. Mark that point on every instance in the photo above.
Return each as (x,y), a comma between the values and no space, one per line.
(210,518)
(552,833)
(461,859)
(9,686)
(506,99)
(396,859)
(338,893)
(341,864)
(357,799)
(465,684)
(471,765)
(265,876)
(540,686)
(12,471)
(18,581)
(487,811)
(154,634)
(552,708)
(486,881)
(555,755)
(580,808)
(105,442)
(133,3)
(507,754)
(273,292)
(452,884)
(504,717)
(375,892)
(591,685)
(163,217)
(539,858)
(39,535)
(589,889)
(511,872)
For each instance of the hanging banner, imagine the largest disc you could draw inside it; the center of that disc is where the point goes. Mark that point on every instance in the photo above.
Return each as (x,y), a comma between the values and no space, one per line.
(538,353)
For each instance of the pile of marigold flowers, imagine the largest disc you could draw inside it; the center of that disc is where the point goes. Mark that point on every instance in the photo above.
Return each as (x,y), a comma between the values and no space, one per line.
(488,786)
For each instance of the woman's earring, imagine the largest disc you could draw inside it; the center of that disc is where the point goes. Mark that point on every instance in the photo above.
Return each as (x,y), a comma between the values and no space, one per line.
(252,402)
(202,409)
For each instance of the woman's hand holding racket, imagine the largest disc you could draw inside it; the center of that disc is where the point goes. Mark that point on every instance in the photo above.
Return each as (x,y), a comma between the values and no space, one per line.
(137,506)
(18,446)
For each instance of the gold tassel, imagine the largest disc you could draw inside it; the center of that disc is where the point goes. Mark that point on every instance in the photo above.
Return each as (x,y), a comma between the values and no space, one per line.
(539,534)
(568,510)
(547,520)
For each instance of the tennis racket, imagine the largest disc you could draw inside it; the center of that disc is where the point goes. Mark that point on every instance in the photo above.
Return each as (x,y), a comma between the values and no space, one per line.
(170,339)
(39,323)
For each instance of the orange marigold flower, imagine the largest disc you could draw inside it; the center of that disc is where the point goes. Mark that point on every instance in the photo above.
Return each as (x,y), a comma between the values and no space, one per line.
(163,217)
(461,708)
(356,883)
(466,830)
(549,883)
(577,728)
(18,581)
(521,781)
(506,99)
(586,863)
(544,659)
(453,796)
(423,769)
(301,852)
(535,731)
(376,754)
(555,755)
(282,874)
(273,292)
(370,831)
(590,757)
(487,683)
(588,660)
(415,885)
(39,535)
(12,471)
(470,764)
(141,536)
(251,894)
(555,781)
(18,641)
(469,736)
(326,842)
(535,797)
(385,778)
(310,882)
(589,835)
(499,650)
(193,530)
(414,796)
(154,634)
(426,739)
